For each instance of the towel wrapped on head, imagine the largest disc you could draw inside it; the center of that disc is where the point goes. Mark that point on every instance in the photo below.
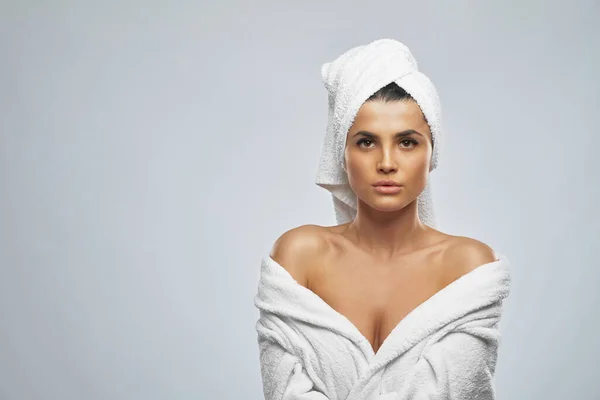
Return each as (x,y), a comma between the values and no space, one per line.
(350,80)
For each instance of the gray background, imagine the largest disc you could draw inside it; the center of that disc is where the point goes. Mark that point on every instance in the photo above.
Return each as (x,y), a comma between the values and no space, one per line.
(151,152)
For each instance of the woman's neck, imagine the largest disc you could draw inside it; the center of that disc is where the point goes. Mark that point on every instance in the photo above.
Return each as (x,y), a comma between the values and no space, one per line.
(387,235)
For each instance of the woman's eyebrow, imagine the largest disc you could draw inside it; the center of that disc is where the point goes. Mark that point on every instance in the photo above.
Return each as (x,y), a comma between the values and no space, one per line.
(397,135)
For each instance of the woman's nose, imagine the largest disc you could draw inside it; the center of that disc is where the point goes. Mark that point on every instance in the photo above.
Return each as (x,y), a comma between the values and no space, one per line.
(387,163)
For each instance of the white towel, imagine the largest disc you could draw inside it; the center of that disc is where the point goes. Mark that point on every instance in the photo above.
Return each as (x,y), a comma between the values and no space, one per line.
(446,348)
(350,80)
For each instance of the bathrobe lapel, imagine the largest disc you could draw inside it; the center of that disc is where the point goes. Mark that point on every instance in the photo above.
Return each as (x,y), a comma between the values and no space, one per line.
(279,294)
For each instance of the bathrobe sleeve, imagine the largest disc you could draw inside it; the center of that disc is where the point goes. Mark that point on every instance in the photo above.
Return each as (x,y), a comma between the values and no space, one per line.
(458,364)
(283,375)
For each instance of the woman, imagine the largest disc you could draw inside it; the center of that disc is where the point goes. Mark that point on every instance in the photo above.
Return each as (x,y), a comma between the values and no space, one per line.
(382,305)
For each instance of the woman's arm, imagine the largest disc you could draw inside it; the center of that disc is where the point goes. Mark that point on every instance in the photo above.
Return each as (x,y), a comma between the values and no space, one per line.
(283,375)
(459,365)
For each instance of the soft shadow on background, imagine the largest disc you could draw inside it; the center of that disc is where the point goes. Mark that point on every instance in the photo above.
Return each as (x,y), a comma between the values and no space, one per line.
(151,152)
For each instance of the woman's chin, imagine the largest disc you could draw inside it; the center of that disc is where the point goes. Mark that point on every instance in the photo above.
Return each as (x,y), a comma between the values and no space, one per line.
(387,203)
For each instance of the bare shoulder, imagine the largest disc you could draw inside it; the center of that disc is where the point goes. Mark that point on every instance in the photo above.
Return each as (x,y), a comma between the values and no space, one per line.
(465,254)
(296,249)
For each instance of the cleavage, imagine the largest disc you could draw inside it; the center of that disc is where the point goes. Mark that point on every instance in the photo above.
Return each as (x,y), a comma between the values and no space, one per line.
(376,299)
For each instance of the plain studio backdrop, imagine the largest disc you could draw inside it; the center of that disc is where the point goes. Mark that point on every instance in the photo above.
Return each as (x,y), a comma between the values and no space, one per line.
(151,152)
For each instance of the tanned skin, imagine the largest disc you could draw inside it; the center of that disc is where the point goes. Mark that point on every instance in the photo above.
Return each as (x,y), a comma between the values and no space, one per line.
(379,267)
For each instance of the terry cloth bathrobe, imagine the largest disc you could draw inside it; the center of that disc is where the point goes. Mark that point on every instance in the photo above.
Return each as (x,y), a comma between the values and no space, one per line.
(446,348)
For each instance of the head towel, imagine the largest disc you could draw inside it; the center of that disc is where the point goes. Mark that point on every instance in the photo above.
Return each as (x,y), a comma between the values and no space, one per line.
(350,80)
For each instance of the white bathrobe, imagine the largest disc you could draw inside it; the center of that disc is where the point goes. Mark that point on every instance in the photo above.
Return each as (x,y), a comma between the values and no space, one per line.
(446,348)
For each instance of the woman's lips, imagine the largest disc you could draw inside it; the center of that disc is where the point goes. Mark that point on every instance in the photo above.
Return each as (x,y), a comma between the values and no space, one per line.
(387,189)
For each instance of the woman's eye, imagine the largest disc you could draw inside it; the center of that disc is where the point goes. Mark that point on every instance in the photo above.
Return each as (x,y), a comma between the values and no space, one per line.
(368,142)
(360,142)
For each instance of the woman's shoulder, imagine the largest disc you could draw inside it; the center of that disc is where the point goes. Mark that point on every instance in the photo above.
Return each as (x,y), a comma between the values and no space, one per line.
(299,247)
(466,253)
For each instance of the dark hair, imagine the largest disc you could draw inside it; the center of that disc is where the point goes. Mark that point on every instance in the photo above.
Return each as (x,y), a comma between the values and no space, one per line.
(393,92)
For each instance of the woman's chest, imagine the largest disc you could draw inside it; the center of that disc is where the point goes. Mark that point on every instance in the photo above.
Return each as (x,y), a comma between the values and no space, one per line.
(375,298)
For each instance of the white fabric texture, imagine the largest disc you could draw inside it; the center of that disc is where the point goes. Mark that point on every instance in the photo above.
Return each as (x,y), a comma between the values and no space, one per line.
(446,348)
(350,80)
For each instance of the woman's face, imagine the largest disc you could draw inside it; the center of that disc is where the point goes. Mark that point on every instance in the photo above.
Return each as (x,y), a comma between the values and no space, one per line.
(388,141)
